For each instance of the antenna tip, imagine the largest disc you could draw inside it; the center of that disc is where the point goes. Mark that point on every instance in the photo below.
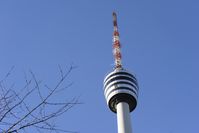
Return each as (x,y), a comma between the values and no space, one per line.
(114,19)
(114,15)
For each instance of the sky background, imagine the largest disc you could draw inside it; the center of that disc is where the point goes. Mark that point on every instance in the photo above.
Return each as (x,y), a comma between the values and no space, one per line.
(160,43)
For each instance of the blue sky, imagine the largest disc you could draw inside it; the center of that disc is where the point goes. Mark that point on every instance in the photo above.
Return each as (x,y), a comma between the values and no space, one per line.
(160,44)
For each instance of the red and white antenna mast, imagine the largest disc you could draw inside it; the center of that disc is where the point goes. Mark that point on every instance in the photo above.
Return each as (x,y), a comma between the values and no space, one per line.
(116,44)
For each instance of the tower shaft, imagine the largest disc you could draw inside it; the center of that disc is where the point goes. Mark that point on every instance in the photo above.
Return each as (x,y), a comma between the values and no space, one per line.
(123,118)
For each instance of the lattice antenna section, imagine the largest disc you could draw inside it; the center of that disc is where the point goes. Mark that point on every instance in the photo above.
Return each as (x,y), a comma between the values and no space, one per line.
(116,44)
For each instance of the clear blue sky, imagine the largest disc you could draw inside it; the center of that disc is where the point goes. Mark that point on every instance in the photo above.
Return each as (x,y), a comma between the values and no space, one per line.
(160,44)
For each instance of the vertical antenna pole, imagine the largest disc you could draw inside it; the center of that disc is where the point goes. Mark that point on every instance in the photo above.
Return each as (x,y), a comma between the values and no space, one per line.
(116,44)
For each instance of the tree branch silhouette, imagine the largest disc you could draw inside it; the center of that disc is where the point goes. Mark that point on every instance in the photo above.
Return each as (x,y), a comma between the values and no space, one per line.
(16,114)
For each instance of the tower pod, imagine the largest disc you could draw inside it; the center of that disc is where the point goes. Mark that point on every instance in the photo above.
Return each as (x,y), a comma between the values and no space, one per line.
(120,86)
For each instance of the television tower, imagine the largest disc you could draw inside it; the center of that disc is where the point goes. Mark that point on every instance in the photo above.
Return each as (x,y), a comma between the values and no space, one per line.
(120,87)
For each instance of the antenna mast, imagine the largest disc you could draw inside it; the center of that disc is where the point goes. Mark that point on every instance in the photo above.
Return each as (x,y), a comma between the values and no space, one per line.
(116,44)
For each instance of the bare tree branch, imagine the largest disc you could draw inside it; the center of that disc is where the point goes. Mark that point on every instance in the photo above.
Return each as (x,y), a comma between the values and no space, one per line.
(16,115)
